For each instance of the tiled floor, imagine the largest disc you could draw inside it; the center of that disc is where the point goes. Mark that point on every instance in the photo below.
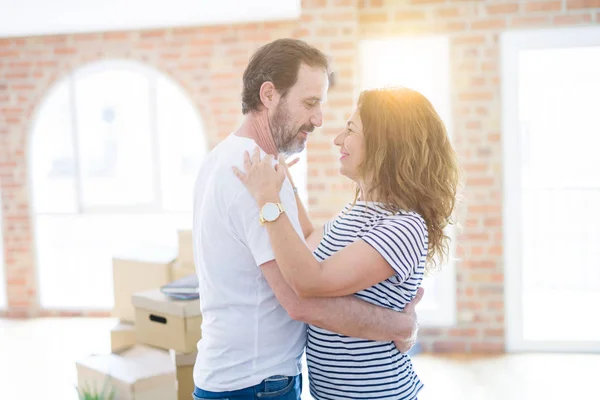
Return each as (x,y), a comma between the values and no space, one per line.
(37,361)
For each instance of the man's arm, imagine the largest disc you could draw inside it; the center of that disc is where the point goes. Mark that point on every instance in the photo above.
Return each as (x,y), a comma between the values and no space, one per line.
(346,315)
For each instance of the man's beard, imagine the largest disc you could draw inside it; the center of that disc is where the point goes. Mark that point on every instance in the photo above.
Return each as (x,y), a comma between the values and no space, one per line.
(287,138)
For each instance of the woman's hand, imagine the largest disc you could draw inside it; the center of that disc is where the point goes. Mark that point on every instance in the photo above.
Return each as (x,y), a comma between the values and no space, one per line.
(261,178)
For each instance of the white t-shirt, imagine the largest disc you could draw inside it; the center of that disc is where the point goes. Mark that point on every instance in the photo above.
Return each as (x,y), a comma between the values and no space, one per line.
(247,335)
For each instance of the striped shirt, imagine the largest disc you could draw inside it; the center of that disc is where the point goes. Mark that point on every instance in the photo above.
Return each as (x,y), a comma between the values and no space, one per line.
(341,367)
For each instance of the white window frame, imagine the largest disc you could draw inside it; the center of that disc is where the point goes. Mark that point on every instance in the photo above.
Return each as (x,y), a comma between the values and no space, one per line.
(511,43)
(442,310)
(156,208)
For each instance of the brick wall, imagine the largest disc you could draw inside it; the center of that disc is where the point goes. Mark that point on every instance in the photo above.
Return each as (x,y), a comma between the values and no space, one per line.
(208,63)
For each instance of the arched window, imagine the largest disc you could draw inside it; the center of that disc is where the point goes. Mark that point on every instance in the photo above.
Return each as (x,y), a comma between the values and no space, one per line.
(115,150)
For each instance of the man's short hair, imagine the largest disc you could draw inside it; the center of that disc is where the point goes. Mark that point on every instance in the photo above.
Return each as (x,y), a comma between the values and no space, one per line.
(278,62)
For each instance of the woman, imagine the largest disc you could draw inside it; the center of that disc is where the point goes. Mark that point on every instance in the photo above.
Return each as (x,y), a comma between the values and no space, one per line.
(396,149)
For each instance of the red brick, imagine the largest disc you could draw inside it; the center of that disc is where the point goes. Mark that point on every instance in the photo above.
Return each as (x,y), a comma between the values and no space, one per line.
(449,12)
(343,46)
(495,251)
(314,3)
(452,26)
(487,277)
(427,1)
(490,348)
(487,291)
(65,50)
(489,222)
(9,53)
(579,4)
(327,31)
(509,8)
(468,66)
(51,39)
(471,39)
(158,34)
(499,332)
(338,17)
(572,19)
(373,18)
(449,347)
(494,137)
(475,96)
(475,167)
(482,236)
(534,6)
(412,15)
(489,66)
(488,24)
(480,181)
(472,264)
(300,33)
(462,332)
(116,36)
(473,125)
(496,305)
(525,22)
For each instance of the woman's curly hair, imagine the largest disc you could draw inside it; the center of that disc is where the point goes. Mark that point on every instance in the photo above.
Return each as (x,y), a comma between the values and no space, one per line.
(409,162)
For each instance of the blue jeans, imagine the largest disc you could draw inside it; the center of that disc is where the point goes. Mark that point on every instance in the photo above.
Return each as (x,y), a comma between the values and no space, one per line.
(276,387)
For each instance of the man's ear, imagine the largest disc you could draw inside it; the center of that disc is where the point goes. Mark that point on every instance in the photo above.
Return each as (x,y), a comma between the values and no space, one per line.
(268,94)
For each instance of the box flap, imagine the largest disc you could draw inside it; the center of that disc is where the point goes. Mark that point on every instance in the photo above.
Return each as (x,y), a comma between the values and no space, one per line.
(155,300)
(140,366)
(123,327)
(183,359)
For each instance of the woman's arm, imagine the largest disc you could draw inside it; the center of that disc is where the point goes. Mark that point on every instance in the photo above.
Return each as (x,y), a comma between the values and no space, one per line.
(350,270)
(358,266)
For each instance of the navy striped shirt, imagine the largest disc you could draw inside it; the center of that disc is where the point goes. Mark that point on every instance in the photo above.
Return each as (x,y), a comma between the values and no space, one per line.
(341,367)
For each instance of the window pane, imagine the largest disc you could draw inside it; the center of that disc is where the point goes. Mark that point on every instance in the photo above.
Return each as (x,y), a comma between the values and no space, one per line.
(299,175)
(182,145)
(560,135)
(115,138)
(560,192)
(52,156)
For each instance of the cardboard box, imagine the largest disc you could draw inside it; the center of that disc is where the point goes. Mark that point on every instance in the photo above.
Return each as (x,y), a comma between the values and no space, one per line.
(122,337)
(185,254)
(163,322)
(136,271)
(184,373)
(140,373)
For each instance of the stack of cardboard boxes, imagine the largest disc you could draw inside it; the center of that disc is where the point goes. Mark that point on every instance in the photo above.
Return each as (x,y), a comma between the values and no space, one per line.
(154,343)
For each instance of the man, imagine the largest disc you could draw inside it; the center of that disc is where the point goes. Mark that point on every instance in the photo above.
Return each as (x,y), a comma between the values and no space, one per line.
(253,329)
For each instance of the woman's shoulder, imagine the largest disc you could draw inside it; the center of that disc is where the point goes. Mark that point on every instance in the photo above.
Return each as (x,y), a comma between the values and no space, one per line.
(404,221)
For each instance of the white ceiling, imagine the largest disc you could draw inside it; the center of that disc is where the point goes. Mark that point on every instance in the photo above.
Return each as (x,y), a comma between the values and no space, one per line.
(43,17)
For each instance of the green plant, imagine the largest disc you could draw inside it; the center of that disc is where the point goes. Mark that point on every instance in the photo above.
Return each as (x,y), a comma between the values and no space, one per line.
(86,393)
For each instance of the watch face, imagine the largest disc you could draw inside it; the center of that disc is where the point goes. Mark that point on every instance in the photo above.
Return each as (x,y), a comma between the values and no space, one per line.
(270,212)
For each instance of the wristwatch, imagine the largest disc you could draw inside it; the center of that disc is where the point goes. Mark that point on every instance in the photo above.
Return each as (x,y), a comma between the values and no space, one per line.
(270,212)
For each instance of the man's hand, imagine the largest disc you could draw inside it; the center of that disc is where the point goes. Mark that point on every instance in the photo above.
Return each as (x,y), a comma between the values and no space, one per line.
(405,345)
